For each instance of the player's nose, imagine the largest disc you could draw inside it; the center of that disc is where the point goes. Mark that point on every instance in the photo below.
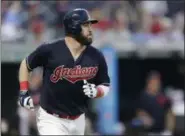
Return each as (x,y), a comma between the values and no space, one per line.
(90,27)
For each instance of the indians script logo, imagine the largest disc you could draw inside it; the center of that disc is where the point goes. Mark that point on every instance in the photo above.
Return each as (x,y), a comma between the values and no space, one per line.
(73,74)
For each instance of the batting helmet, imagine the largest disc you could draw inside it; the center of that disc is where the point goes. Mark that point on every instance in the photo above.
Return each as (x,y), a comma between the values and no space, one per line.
(74,19)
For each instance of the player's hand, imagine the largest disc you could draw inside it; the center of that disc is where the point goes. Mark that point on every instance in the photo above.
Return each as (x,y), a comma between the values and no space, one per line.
(25,100)
(89,89)
(166,133)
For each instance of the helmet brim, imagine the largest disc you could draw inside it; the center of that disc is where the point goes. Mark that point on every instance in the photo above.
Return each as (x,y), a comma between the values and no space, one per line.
(93,21)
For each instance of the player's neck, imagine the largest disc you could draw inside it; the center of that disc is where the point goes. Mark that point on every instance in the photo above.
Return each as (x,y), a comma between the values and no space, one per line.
(74,46)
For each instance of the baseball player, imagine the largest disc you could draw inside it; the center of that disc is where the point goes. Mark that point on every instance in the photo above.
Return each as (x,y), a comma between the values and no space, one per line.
(74,73)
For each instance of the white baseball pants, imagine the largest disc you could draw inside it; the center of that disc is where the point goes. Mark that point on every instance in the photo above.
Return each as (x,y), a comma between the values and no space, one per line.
(48,124)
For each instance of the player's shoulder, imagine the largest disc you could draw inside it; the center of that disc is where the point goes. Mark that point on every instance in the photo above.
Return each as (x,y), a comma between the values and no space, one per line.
(96,52)
(50,45)
(54,42)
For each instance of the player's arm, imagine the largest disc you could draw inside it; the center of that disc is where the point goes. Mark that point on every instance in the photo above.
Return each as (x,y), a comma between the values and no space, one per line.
(169,119)
(141,111)
(23,73)
(24,97)
(145,117)
(102,81)
(35,59)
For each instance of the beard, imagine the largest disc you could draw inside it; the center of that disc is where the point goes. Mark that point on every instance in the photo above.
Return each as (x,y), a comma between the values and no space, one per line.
(84,40)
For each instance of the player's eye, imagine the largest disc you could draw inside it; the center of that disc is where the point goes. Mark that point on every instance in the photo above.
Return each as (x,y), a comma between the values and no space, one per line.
(87,24)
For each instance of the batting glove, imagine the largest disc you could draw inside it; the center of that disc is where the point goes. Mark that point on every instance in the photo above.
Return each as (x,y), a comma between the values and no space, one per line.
(89,89)
(25,100)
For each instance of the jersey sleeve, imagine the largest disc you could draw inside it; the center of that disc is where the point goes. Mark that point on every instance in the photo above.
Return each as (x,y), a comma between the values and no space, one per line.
(37,58)
(102,75)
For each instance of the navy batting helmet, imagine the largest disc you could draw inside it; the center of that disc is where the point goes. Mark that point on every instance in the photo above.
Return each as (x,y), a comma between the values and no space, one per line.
(74,19)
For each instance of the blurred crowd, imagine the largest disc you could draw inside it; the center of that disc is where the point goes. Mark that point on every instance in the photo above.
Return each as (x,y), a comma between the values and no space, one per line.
(124,25)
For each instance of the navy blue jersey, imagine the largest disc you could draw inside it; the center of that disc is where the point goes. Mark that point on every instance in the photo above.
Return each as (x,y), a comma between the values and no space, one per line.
(156,106)
(63,76)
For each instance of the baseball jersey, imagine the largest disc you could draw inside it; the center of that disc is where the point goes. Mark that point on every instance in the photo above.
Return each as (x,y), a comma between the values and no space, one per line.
(156,106)
(63,76)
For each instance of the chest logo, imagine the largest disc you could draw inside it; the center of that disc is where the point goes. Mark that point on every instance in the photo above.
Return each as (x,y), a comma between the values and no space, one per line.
(73,74)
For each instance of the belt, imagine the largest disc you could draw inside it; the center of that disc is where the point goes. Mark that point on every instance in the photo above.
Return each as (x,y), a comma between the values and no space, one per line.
(63,116)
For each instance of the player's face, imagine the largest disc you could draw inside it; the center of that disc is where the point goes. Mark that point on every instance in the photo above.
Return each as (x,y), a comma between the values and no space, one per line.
(86,33)
(154,84)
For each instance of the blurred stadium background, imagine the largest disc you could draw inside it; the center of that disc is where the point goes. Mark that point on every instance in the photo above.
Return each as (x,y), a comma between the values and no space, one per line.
(136,37)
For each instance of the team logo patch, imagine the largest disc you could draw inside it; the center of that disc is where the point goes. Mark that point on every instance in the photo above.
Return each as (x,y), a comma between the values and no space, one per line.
(73,74)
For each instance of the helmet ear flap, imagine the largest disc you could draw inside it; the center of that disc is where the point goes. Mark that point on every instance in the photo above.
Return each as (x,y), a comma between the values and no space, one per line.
(75,28)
